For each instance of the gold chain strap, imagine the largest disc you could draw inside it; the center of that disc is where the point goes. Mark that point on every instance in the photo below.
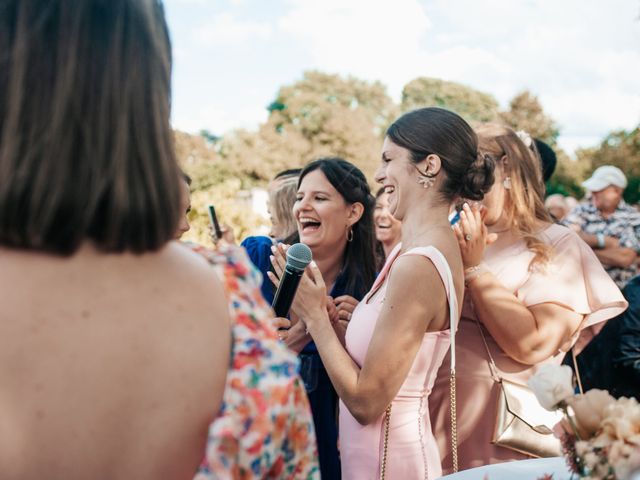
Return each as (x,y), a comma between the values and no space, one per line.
(454,424)
(387,418)
(577,371)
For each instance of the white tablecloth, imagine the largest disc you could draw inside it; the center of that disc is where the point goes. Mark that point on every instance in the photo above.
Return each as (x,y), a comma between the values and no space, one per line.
(520,470)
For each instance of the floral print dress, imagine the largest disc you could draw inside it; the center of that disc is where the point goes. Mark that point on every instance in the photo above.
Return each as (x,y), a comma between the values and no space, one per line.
(264,428)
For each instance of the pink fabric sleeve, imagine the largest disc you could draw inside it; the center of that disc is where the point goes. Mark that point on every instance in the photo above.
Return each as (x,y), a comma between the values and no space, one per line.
(575,279)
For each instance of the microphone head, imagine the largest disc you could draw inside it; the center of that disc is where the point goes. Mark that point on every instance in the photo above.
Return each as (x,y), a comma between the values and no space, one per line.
(298,256)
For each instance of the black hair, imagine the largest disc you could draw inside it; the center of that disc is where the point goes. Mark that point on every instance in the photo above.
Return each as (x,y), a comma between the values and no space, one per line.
(441,132)
(359,261)
(548,159)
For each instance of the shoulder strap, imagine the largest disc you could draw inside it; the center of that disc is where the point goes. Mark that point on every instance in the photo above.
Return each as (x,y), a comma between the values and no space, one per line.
(492,365)
(577,371)
(442,266)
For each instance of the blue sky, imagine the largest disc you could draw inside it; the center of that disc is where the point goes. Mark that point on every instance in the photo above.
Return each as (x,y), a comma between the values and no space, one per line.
(581,57)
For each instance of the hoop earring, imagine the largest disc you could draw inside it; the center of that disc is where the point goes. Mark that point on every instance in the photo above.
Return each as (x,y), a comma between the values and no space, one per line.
(506,183)
(350,234)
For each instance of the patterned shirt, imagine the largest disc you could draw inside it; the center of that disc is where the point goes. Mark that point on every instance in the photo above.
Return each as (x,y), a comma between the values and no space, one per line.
(623,224)
(264,428)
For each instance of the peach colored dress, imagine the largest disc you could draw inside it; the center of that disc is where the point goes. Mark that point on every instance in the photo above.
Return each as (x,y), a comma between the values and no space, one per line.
(412,451)
(573,278)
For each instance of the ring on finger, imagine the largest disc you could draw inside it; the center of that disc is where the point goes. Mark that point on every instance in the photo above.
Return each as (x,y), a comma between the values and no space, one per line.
(467,237)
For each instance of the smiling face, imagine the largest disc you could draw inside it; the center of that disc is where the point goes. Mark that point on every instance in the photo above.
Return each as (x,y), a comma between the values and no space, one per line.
(321,213)
(399,177)
(388,229)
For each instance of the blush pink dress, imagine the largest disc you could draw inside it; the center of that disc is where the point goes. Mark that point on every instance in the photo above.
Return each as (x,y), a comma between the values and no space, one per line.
(573,278)
(412,450)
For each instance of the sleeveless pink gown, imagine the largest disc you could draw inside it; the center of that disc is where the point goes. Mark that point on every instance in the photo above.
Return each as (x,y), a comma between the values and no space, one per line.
(412,452)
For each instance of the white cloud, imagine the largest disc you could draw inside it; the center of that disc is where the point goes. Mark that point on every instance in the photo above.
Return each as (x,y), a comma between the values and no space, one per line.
(474,66)
(582,59)
(570,143)
(583,112)
(219,120)
(371,40)
(226,28)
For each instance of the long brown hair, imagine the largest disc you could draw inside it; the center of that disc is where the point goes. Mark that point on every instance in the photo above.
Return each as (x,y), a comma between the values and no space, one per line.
(524,208)
(86,150)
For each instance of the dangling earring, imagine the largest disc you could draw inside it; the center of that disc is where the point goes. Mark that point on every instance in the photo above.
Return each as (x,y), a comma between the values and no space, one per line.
(506,183)
(350,234)
(426,181)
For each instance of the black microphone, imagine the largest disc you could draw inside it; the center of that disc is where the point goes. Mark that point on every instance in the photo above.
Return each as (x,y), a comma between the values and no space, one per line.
(298,257)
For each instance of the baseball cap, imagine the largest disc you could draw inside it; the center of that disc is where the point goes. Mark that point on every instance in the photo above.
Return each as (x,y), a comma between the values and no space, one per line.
(604,176)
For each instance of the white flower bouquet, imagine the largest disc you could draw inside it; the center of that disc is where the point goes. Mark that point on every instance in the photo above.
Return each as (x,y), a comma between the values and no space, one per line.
(600,434)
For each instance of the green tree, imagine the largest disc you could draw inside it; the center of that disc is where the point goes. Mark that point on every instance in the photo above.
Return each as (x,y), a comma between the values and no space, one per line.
(317,116)
(526,113)
(208,136)
(568,175)
(622,149)
(471,104)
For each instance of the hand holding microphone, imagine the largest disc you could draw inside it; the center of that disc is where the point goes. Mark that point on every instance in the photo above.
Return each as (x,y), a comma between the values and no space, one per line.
(304,294)
(298,257)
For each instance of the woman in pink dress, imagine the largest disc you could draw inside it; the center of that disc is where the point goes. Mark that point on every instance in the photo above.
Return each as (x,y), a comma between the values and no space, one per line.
(531,287)
(400,333)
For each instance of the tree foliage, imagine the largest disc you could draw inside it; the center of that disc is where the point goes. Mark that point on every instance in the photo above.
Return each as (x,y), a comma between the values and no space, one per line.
(213,182)
(622,149)
(317,116)
(331,115)
(473,105)
(526,113)
(568,175)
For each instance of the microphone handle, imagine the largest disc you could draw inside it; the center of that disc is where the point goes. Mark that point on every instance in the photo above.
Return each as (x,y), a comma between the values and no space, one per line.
(286,291)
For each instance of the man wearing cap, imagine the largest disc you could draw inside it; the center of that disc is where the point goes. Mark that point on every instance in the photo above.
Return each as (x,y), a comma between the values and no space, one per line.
(608,224)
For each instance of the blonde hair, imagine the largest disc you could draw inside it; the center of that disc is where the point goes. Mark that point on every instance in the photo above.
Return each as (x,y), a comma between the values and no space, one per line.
(281,202)
(525,205)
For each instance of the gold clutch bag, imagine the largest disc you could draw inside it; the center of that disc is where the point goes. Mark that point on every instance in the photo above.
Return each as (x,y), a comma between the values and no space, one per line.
(522,424)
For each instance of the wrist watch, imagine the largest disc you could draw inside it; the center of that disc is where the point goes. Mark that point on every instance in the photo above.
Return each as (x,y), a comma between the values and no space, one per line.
(600,237)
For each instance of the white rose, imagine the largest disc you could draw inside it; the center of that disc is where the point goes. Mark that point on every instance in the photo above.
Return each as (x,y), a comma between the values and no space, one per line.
(552,384)
(622,420)
(589,410)
(582,448)
(591,460)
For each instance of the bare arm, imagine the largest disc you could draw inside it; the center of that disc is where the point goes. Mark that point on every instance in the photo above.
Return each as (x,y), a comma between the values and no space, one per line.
(297,338)
(592,240)
(612,254)
(399,331)
(295,335)
(527,334)
(616,257)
